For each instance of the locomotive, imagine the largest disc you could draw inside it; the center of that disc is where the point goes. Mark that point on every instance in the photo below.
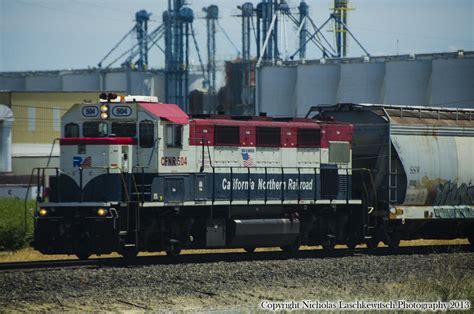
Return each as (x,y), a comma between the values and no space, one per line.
(139,175)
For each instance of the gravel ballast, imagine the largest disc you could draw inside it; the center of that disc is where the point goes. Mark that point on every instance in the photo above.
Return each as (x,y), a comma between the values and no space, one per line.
(241,284)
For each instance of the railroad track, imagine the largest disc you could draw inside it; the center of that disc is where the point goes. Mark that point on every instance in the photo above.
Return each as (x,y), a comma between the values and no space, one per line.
(227,257)
(53,264)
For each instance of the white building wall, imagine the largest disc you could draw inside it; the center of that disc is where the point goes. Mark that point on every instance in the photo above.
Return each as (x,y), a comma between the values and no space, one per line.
(120,80)
(12,83)
(439,79)
(452,83)
(406,82)
(50,83)
(81,82)
(361,82)
(316,84)
(141,83)
(116,81)
(195,82)
(276,90)
(159,87)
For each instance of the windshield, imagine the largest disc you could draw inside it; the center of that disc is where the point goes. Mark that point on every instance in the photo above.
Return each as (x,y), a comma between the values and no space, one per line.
(124,129)
(95,129)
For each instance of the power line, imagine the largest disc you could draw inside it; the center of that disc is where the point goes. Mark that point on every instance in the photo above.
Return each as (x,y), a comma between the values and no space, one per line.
(40,107)
(417,35)
(108,8)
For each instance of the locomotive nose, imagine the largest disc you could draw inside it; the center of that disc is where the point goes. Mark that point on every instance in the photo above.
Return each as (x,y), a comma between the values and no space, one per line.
(69,230)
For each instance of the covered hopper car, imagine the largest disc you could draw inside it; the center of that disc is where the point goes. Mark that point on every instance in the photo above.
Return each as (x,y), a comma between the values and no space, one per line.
(422,164)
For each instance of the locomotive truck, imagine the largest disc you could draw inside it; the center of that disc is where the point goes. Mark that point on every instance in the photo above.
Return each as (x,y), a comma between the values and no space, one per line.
(139,175)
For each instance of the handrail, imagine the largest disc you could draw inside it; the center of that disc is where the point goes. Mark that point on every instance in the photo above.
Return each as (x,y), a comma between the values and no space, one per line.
(231,185)
(233,172)
(30,183)
(248,190)
(202,139)
(41,181)
(282,190)
(51,152)
(142,172)
(41,186)
(133,177)
(128,186)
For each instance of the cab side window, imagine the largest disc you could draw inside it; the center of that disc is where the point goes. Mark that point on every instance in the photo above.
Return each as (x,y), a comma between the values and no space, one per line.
(71,130)
(174,135)
(147,134)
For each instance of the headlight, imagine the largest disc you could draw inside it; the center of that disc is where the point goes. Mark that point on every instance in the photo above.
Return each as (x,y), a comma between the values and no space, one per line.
(42,212)
(104,112)
(101,212)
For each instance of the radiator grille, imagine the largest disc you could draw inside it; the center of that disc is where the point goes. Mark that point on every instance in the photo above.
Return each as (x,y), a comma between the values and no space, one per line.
(339,152)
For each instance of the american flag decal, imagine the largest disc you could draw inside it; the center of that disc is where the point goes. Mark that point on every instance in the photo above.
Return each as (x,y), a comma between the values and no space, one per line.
(87,163)
(247,159)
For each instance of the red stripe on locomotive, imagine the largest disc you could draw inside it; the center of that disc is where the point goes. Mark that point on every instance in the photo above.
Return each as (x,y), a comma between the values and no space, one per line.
(98,141)
(204,129)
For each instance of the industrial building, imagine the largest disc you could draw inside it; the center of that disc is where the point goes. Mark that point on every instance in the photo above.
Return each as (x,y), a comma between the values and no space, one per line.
(441,79)
(32,122)
(125,80)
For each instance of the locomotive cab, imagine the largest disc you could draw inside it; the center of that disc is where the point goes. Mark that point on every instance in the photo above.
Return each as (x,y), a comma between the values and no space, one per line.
(109,152)
(98,147)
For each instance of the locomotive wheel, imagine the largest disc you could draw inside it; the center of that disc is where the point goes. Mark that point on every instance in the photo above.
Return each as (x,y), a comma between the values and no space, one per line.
(290,248)
(393,240)
(293,247)
(372,244)
(83,256)
(328,247)
(173,252)
(393,243)
(249,249)
(129,253)
(351,245)
(470,238)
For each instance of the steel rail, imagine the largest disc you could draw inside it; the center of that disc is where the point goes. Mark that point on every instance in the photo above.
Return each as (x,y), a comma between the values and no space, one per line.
(219,256)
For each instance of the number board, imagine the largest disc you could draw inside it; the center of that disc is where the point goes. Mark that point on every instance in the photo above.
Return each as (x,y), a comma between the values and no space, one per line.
(90,111)
(121,111)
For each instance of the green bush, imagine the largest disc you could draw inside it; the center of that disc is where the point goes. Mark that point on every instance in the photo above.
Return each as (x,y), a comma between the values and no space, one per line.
(13,234)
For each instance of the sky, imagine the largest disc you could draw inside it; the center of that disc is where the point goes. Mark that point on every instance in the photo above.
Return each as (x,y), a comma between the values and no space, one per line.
(76,34)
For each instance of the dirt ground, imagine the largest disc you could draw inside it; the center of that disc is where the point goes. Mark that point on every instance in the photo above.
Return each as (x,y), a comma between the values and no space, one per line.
(241,285)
